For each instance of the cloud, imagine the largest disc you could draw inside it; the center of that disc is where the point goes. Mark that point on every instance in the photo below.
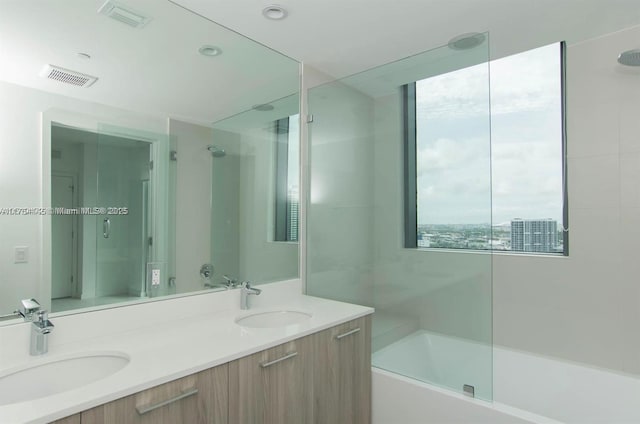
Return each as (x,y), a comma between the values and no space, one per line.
(525,160)
(518,83)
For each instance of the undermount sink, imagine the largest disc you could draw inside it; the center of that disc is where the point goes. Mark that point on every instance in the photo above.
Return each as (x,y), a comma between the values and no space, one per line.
(50,377)
(273,319)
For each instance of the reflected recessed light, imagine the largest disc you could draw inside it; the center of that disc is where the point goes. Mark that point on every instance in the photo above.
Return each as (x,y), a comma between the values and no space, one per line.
(467,41)
(85,56)
(274,12)
(210,51)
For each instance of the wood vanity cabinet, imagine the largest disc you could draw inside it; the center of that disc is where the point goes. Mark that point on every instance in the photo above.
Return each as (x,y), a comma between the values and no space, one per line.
(323,378)
(200,398)
(342,373)
(273,386)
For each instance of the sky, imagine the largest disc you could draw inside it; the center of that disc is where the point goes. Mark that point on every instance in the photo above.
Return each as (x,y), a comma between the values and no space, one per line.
(489,141)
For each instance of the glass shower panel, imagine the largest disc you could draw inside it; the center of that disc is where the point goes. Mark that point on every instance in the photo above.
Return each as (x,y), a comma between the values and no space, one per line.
(132,240)
(400,158)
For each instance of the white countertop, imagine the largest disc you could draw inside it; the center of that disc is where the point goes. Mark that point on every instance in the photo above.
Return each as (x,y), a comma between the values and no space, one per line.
(163,351)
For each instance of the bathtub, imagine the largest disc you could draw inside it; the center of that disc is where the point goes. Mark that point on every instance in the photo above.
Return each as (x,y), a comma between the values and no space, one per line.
(526,388)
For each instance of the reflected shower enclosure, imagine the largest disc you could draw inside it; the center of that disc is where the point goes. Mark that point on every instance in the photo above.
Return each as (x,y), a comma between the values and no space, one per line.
(99,256)
(230,180)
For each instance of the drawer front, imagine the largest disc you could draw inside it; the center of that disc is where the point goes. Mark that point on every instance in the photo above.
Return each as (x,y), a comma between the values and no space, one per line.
(342,375)
(273,386)
(199,398)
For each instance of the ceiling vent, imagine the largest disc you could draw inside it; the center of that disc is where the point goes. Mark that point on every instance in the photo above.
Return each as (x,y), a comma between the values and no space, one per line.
(124,14)
(67,76)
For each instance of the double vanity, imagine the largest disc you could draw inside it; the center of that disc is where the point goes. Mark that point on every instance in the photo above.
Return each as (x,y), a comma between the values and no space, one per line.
(290,358)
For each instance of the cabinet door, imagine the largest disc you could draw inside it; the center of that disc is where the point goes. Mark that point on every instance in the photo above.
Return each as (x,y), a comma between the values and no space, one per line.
(200,398)
(273,386)
(342,373)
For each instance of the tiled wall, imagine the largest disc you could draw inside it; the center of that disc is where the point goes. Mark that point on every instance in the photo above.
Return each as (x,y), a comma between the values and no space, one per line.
(586,307)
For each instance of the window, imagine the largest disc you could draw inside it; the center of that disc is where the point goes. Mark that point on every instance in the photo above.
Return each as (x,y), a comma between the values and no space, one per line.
(287,177)
(499,186)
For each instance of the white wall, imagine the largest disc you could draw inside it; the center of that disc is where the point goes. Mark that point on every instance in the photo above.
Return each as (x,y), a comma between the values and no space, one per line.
(23,169)
(586,307)
(193,203)
(225,205)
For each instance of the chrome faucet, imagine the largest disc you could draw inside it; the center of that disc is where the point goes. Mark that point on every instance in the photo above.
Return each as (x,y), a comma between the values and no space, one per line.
(245,291)
(32,312)
(228,283)
(28,308)
(40,328)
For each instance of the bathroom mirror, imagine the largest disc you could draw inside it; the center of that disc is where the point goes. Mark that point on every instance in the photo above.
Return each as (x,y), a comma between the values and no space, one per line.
(142,146)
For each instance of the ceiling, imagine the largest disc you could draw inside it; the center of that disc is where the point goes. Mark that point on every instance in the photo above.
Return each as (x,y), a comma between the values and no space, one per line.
(157,69)
(341,37)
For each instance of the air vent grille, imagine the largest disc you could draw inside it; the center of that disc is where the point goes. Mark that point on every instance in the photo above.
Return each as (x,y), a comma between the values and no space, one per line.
(124,14)
(67,76)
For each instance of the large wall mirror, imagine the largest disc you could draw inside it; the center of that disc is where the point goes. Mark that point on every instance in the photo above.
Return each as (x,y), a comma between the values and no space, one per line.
(146,152)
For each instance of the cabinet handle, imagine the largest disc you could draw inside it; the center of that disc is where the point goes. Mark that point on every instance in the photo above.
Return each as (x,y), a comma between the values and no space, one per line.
(348,333)
(106,228)
(148,408)
(275,361)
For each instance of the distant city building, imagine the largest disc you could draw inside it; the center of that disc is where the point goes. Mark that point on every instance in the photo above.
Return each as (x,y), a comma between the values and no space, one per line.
(534,235)
(293,203)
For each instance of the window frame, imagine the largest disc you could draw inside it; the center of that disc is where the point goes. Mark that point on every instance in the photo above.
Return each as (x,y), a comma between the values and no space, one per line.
(409,122)
(282,207)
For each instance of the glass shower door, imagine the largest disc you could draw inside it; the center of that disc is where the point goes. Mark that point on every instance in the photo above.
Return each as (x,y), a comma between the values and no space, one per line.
(399,213)
(131,224)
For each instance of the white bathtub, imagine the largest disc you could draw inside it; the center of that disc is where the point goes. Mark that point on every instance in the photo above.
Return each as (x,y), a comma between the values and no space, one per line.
(526,388)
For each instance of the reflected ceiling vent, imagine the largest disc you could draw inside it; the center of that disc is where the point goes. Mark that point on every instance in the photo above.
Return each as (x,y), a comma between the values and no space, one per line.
(67,76)
(124,14)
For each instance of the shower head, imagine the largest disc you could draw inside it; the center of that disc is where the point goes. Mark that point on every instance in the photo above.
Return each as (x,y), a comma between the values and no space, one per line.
(630,58)
(216,152)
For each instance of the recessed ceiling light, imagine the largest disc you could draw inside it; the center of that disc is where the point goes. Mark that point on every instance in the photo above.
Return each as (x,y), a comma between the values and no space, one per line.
(274,12)
(467,41)
(210,51)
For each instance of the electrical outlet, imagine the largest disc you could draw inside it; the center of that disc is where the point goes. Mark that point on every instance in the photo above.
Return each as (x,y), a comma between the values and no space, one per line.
(21,254)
